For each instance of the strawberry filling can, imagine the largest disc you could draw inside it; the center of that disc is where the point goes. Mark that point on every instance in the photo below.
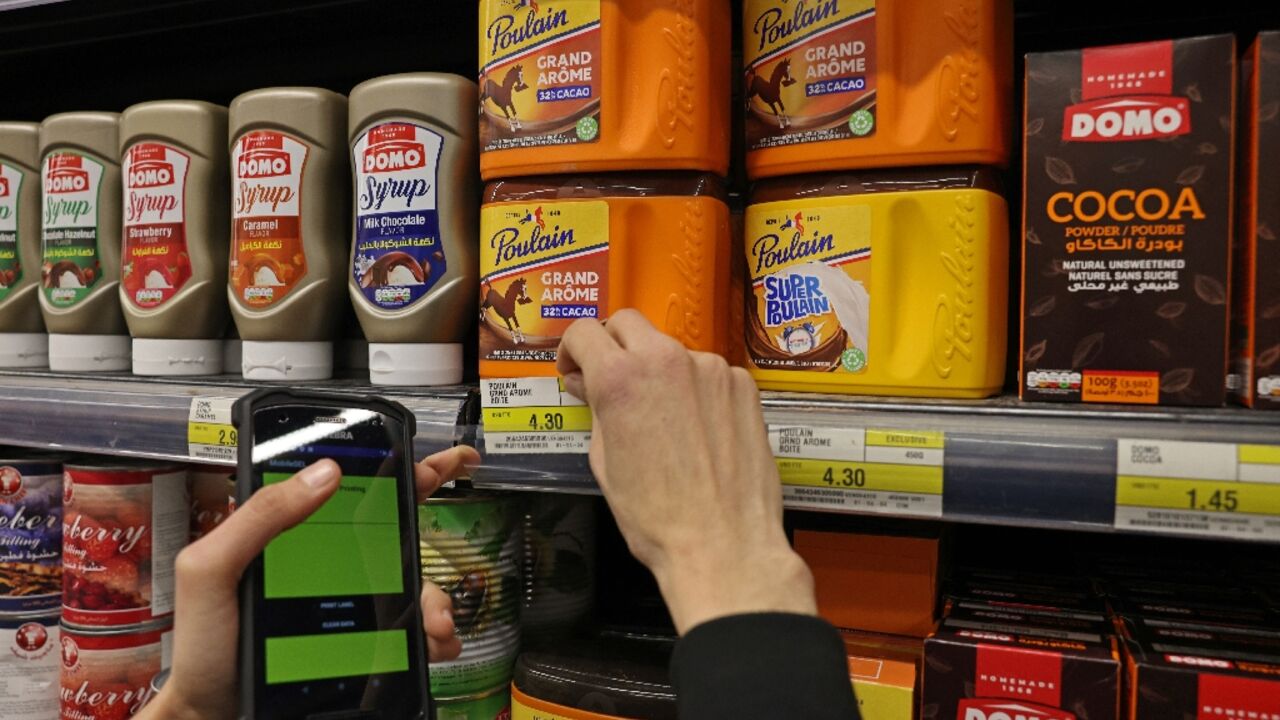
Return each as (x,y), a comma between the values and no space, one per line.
(106,673)
(30,535)
(122,527)
(29,668)
(212,488)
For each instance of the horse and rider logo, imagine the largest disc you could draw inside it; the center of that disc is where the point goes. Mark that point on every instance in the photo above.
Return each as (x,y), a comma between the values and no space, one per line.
(770,91)
(504,304)
(500,95)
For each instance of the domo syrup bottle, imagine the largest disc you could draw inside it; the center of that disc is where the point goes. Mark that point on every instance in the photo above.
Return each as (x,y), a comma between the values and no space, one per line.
(23,342)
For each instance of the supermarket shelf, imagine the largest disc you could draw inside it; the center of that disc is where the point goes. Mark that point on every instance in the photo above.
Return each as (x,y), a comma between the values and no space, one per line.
(1007,462)
(120,414)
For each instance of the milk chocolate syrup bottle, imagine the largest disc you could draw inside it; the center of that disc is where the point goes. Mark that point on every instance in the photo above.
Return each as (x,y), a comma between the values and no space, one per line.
(81,242)
(415,252)
(22,339)
(174,261)
(289,219)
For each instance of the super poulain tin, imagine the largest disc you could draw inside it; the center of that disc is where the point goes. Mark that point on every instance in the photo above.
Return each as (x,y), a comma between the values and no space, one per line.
(891,283)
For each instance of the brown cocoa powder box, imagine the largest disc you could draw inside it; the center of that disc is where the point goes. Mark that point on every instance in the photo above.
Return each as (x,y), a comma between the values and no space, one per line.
(1256,336)
(1127,222)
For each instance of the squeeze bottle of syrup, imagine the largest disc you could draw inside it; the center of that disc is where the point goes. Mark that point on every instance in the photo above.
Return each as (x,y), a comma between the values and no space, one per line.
(176,223)
(846,84)
(886,283)
(572,86)
(81,242)
(414,254)
(289,220)
(23,343)
(555,249)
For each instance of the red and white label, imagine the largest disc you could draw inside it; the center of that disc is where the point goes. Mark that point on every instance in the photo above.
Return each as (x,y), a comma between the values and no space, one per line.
(393,147)
(1244,698)
(1016,673)
(29,669)
(267,255)
(65,173)
(108,677)
(121,531)
(155,263)
(1127,94)
(984,709)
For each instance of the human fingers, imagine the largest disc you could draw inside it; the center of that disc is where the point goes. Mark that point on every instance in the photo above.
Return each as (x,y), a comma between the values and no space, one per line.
(440,468)
(222,556)
(631,329)
(437,621)
(582,347)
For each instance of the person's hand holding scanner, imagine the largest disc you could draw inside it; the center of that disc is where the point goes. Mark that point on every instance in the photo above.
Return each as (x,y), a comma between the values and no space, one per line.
(207,606)
(679,448)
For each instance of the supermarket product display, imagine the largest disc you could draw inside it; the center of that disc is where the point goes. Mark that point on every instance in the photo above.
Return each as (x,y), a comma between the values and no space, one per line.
(31,522)
(30,666)
(288,230)
(557,249)
(107,672)
(23,343)
(176,229)
(1256,299)
(1128,178)
(590,86)
(867,84)
(80,235)
(893,282)
(413,257)
(212,491)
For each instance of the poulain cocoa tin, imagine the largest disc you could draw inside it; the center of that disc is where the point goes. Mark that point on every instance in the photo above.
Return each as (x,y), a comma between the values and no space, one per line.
(470,547)
(609,677)
(106,673)
(123,525)
(558,565)
(30,535)
(29,666)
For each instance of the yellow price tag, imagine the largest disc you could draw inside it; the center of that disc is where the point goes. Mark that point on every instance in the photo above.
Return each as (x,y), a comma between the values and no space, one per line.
(567,418)
(211,434)
(906,439)
(880,477)
(1198,495)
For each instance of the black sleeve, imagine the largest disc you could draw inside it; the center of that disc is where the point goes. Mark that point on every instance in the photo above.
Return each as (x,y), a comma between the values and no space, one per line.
(771,665)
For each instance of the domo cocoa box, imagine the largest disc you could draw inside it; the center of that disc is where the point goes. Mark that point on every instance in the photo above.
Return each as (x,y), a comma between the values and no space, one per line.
(1127,222)
(1256,339)
(1008,673)
(1181,673)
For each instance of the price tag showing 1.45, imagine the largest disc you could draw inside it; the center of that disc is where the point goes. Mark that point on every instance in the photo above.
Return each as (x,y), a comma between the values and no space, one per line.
(874,471)
(210,434)
(1217,489)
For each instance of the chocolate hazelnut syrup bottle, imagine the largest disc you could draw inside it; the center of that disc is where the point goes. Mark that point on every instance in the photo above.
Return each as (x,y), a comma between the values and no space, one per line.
(22,339)
(289,216)
(415,253)
(80,236)
(174,261)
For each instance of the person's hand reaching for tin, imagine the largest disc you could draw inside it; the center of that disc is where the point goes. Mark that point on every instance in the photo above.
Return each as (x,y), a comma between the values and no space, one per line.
(202,683)
(678,445)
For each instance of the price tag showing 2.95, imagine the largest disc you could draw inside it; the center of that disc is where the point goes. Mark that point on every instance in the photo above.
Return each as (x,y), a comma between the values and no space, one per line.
(533,416)
(874,471)
(210,434)
(1218,489)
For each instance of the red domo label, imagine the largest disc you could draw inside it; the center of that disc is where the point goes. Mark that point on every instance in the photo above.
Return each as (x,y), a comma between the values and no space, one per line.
(1019,674)
(985,709)
(1222,696)
(1127,93)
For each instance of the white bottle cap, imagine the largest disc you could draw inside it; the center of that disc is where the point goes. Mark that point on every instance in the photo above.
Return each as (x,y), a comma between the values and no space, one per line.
(24,350)
(79,353)
(287,360)
(232,355)
(176,357)
(415,364)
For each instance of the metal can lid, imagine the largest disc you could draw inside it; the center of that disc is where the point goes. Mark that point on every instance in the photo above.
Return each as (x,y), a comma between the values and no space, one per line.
(128,464)
(10,621)
(101,631)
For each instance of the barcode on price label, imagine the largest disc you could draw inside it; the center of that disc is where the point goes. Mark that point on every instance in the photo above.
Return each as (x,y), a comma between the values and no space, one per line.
(890,472)
(533,416)
(210,434)
(1214,489)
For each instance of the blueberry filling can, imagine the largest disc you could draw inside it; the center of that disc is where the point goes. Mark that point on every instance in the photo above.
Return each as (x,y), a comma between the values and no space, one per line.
(470,548)
(29,666)
(30,535)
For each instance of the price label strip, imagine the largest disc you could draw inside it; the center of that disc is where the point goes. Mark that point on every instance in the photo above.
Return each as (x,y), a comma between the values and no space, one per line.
(523,416)
(210,434)
(888,472)
(1216,489)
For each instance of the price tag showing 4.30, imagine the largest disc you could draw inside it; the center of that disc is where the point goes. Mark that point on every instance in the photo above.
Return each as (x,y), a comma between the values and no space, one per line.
(1218,489)
(210,434)
(533,416)
(875,471)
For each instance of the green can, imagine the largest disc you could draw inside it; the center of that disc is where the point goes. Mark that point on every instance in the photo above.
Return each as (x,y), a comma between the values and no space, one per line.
(493,705)
(470,547)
